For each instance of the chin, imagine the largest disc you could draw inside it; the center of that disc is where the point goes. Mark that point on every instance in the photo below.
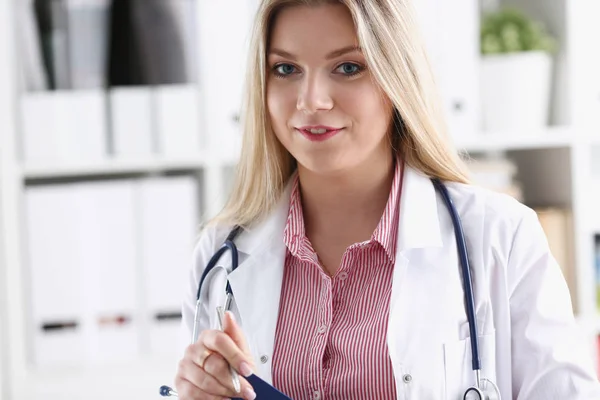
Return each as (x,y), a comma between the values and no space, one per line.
(323,164)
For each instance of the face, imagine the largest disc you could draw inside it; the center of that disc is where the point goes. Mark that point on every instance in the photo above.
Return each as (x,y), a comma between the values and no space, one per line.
(325,107)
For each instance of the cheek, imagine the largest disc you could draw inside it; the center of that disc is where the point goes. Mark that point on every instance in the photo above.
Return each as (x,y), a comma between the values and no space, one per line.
(279,104)
(369,109)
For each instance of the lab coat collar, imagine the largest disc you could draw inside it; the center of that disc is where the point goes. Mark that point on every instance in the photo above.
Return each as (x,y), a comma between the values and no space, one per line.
(269,231)
(419,224)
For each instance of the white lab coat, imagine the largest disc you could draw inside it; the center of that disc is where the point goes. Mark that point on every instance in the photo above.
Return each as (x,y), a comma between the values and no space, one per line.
(529,344)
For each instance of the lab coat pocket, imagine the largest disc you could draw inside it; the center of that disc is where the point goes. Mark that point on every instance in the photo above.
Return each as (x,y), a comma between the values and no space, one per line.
(458,367)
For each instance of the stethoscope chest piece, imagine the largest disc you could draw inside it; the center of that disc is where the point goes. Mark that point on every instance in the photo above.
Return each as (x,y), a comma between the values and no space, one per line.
(488,391)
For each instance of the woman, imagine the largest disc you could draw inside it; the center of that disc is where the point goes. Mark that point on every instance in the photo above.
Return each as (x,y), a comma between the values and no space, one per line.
(349,285)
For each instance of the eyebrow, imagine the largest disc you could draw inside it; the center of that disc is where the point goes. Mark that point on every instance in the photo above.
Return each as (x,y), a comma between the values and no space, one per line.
(333,54)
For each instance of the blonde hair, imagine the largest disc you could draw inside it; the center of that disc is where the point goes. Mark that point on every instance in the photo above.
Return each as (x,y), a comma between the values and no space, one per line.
(388,36)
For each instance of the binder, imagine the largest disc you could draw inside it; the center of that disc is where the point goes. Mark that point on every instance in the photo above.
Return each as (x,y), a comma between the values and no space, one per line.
(108,259)
(52,17)
(223,62)
(593,201)
(82,269)
(184,12)
(168,218)
(558,227)
(33,75)
(451,34)
(459,43)
(263,390)
(64,127)
(56,314)
(132,133)
(88,27)
(177,111)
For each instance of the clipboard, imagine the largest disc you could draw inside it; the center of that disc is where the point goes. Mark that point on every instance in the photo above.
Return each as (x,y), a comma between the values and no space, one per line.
(263,390)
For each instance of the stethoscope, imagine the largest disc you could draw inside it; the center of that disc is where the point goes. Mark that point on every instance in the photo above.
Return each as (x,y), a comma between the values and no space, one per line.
(484,389)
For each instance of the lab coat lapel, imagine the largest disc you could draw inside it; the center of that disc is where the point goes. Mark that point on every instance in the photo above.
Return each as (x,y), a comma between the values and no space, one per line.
(418,232)
(418,225)
(256,283)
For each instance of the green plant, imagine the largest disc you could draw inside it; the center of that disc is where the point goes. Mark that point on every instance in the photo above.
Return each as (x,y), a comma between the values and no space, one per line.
(509,30)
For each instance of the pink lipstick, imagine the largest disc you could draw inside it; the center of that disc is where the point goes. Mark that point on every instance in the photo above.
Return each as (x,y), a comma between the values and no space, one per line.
(318,133)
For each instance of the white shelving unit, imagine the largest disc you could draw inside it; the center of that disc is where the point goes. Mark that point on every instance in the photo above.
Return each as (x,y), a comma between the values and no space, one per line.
(552,137)
(220,86)
(9,189)
(114,167)
(556,162)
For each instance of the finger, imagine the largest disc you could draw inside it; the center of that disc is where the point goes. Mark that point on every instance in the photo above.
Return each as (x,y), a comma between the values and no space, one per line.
(197,353)
(218,367)
(231,327)
(221,343)
(203,380)
(186,390)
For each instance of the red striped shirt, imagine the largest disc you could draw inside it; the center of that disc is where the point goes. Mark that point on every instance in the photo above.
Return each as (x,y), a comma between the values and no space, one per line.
(331,337)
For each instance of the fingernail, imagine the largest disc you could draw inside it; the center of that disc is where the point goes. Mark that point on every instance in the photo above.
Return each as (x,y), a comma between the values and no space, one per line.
(230,315)
(245,369)
(249,394)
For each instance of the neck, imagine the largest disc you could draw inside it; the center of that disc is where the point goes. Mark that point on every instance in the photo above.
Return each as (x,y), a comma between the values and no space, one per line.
(347,205)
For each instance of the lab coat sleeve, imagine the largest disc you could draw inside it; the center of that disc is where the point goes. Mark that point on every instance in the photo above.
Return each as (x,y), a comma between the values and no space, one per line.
(201,254)
(549,357)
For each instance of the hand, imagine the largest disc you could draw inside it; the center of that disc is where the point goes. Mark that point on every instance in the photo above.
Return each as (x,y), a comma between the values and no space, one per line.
(203,373)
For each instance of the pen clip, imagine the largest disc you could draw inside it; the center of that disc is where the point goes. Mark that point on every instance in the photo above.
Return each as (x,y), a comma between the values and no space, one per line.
(228,301)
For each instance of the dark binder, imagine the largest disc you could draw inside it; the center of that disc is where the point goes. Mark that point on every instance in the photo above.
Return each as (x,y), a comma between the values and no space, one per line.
(263,390)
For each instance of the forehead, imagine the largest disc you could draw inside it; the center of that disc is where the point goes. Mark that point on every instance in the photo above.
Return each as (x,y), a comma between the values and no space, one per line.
(313,29)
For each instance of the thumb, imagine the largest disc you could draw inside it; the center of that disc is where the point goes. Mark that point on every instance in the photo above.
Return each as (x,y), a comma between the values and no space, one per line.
(234,331)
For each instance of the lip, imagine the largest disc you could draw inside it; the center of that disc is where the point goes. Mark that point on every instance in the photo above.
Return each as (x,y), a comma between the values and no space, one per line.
(330,132)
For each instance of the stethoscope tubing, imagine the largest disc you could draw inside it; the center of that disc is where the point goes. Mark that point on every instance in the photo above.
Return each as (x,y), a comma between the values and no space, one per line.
(228,245)
(463,254)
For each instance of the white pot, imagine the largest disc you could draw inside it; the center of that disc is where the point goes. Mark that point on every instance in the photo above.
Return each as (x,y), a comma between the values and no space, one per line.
(515,91)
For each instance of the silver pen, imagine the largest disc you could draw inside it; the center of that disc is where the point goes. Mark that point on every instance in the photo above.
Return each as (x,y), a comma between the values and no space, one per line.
(234,375)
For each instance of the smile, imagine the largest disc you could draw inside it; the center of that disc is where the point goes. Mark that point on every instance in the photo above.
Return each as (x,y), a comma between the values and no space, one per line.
(318,133)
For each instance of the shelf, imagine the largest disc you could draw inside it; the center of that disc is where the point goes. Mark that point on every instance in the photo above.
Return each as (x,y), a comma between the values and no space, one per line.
(552,137)
(112,168)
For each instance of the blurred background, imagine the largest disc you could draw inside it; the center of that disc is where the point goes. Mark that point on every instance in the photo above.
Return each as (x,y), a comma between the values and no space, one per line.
(119,133)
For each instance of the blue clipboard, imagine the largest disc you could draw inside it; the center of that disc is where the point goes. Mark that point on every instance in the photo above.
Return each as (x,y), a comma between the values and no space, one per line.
(263,390)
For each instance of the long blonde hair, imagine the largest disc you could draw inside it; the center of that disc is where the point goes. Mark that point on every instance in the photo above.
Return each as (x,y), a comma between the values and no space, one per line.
(389,38)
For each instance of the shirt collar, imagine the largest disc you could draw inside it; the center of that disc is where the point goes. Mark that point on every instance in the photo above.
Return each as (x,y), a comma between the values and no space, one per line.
(294,232)
(418,219)
(385,233)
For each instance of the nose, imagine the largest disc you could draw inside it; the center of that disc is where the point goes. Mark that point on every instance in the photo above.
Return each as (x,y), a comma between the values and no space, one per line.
(314,95)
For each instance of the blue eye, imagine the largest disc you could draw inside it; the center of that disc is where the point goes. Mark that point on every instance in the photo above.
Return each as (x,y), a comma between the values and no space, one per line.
(350,69)
(284,70)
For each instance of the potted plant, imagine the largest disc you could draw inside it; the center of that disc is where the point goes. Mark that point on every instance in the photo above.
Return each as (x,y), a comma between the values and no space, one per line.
(516,71)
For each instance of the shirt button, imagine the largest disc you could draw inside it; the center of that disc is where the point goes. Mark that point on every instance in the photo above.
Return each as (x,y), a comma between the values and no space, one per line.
(322,329)
(407,378)
(264,359)
(316,395)
(343,276)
